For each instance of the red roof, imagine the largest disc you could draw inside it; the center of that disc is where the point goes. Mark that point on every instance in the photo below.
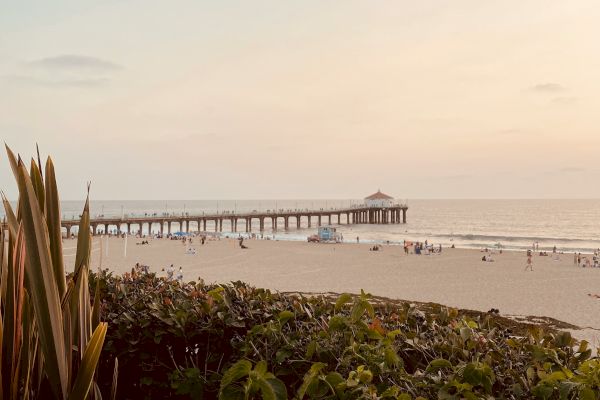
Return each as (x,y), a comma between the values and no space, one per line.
(379,196)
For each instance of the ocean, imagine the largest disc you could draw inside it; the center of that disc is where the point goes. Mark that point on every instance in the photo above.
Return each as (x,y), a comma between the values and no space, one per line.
(571,225)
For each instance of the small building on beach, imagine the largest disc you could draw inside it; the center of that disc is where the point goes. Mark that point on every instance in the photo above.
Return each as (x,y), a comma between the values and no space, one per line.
(379,200)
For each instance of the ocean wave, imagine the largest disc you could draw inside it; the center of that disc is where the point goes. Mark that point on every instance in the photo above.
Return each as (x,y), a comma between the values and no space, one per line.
(505,238)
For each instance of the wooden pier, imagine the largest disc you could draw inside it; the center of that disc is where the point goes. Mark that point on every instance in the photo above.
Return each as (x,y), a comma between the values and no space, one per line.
(395,214)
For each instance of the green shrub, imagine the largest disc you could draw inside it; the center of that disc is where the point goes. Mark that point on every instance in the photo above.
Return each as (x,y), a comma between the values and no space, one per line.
(235,341)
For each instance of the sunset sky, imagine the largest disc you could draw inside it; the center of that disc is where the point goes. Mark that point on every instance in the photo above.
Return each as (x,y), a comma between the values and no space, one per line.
(306,99)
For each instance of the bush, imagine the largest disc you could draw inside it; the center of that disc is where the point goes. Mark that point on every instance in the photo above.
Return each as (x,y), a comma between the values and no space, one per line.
(235,341)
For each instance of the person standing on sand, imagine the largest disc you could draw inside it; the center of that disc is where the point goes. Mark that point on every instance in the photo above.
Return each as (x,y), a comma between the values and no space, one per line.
(529,263)
(357,239)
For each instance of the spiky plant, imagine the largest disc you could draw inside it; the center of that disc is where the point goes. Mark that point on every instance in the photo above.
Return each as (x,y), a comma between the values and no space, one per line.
(50,334)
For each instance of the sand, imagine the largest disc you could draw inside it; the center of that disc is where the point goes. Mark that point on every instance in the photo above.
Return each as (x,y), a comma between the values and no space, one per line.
(456,278)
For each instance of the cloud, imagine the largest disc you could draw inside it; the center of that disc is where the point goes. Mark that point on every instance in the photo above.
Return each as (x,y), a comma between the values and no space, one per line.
(48,82)
(75,62)
(503,132)
(548,88)
(564,100)
(571,169)
(66,70)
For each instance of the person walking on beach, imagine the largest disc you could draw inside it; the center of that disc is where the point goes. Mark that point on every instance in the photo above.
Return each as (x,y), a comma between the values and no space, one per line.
(180,275)
(529,263)
(357,239)
(170,272)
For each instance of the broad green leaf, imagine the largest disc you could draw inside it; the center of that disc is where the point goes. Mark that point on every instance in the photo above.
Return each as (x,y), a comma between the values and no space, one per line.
(343,299)
(439,363)
(285,316)
(237,371)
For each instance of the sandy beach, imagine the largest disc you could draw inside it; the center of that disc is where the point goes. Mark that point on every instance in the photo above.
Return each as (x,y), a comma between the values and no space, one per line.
(457,277)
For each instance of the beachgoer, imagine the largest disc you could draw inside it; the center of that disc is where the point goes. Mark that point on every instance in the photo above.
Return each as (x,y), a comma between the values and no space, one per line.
(529,263)
(180,275)
(170,272)
(357,239)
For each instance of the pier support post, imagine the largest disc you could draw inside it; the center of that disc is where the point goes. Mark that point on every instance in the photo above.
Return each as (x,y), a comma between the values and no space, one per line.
(308,220)
(286,222)
(261,222)
(319,221)
(297,221)
(204,225)
(274,223)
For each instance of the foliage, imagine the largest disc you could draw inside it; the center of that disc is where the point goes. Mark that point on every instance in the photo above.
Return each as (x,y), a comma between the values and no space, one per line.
(50,343)
(238,342)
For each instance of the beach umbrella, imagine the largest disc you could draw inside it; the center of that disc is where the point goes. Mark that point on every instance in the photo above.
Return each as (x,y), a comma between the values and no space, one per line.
(180,234)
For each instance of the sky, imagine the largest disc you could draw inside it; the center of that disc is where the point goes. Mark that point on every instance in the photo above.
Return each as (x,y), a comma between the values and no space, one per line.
(304,99)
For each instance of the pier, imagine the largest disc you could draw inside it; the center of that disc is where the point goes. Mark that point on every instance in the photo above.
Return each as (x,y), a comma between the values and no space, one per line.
(242,221)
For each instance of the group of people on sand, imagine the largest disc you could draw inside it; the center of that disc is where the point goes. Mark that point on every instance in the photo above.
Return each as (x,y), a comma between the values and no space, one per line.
(419,248)
(585,261)
(171,273)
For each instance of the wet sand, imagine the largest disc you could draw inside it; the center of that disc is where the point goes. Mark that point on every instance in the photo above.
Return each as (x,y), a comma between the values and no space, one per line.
(456,278)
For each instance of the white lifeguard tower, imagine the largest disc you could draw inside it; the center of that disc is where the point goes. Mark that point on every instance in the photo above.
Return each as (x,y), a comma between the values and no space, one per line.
(379,200)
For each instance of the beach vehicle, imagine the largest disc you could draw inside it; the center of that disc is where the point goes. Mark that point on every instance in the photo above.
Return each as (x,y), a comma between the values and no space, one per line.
(325,234)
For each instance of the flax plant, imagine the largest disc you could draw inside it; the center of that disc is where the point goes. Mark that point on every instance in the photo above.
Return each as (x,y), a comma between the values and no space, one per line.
(50,333)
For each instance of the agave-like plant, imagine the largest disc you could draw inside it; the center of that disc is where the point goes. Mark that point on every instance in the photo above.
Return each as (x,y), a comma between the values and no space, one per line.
(50,334)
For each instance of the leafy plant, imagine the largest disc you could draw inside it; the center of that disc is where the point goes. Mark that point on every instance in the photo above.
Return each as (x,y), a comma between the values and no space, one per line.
(51,337)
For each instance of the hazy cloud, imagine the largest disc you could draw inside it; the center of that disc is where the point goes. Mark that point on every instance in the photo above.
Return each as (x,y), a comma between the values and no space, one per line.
(66,70)
(571,169)
(508,132)
(48,82)
(564,100)
(548,88)
(75,62)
